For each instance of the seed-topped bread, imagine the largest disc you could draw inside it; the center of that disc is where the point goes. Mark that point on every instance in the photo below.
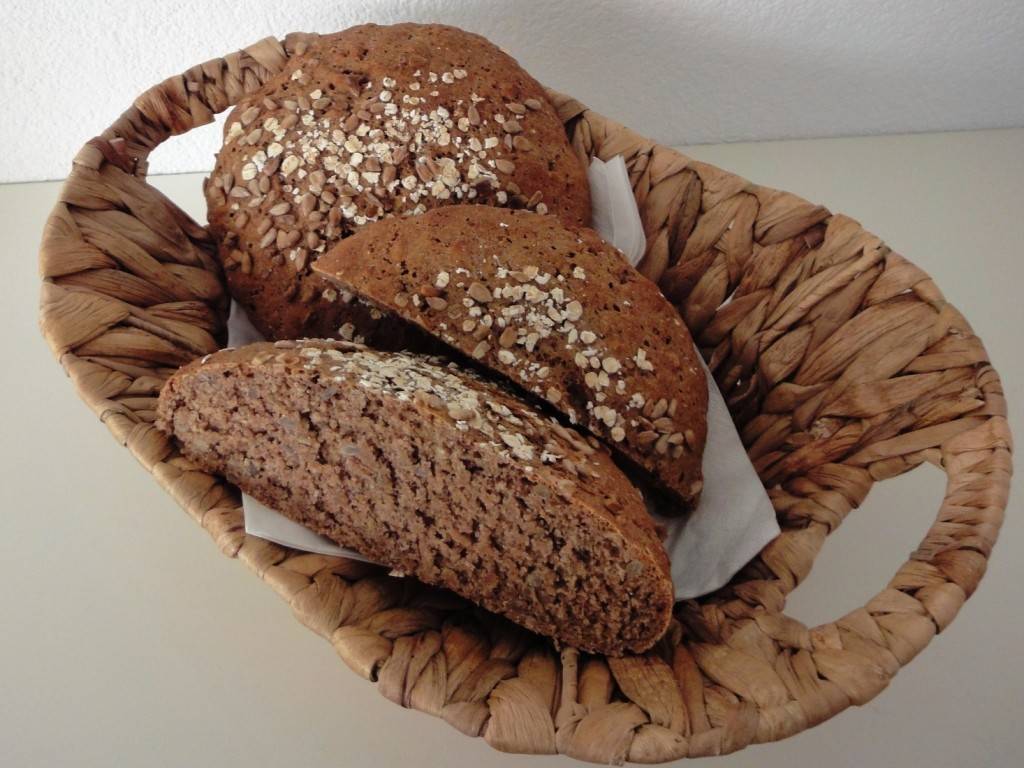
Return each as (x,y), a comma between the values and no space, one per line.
(557,311)
(371,122)
(435,472)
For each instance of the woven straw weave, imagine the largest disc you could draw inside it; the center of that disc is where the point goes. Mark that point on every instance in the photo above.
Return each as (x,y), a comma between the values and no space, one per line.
(841,362)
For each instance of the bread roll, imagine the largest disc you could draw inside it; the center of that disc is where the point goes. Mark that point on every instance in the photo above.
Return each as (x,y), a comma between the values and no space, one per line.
(555,311)
(372,122)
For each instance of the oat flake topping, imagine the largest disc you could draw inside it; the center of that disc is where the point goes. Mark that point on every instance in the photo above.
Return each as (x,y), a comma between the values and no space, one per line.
(517,433)
(528,306)
(337,169)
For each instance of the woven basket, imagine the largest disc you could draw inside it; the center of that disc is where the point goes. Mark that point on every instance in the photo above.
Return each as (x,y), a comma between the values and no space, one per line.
(841,362)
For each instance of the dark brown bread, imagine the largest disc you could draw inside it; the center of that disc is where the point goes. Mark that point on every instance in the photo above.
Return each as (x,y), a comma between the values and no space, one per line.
(437,473)
(372,122)
(557,311)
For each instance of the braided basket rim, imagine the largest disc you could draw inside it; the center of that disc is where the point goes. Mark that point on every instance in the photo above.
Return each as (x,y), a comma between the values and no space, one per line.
(841,361)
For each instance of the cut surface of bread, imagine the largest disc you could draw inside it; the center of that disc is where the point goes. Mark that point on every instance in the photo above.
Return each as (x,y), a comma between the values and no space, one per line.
(437,473)
(557,311)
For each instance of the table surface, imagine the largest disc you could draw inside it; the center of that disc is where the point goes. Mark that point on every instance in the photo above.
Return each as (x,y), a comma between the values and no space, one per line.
(127,638)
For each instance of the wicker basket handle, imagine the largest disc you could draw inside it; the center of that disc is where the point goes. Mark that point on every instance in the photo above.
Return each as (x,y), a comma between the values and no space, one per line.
(132,290)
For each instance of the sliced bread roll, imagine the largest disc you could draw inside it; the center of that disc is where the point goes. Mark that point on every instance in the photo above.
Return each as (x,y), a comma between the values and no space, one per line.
(557,311)
(437,473)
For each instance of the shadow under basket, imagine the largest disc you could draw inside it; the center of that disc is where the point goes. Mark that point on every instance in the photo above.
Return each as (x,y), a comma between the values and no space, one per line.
(841,362)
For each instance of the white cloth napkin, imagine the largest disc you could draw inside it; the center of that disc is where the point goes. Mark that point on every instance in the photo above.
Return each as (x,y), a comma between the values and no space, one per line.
(707,546)
(614,213)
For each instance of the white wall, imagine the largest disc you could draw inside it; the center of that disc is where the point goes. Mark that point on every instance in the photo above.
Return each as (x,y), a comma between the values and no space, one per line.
(690,71)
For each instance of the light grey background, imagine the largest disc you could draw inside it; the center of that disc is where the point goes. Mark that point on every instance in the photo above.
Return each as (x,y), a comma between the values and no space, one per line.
(126,638)
(685,71)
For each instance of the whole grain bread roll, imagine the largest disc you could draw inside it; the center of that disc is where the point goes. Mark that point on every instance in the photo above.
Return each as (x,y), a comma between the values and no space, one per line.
(556,311)
(435,472)
(371,122)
